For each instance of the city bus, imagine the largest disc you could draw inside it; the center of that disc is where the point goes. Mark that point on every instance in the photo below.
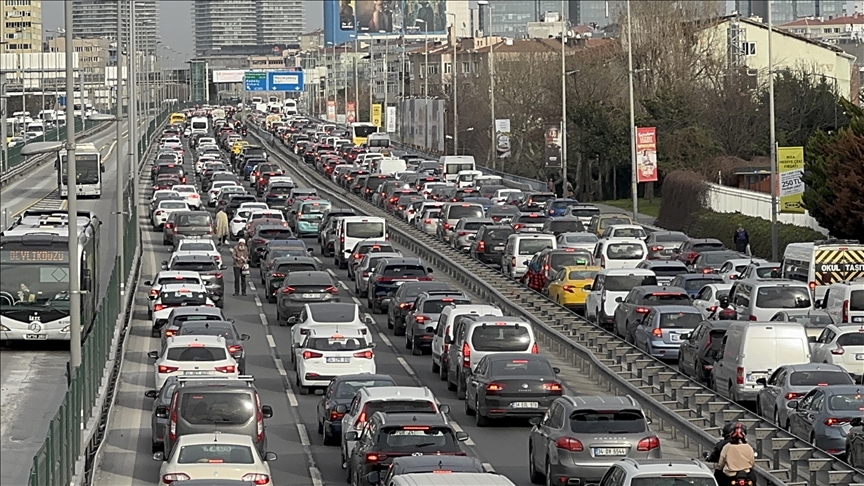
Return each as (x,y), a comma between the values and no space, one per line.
(88,170)
(360,131)
(34,262)
(177,118)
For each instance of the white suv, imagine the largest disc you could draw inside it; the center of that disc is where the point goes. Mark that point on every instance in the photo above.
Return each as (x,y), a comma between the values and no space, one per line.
(632,471)
(842,345)
(193,356)
(444,331)
(844,302)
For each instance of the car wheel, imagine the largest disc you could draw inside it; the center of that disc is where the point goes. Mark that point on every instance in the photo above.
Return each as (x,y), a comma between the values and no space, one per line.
(469,411)
(548,474)
(335,261)
(416,350)
(271,298)
(436,368)
(479,419)
(776,417)
(535,476)
(389,321)
(300,388)
(450,385)
(460,388)
(156,447)
(408,343)
(442,371)
(320,427)
(368,302)
(155,333)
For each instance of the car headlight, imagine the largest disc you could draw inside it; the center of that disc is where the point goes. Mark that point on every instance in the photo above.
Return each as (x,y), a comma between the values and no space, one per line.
(65,329)
(4,328)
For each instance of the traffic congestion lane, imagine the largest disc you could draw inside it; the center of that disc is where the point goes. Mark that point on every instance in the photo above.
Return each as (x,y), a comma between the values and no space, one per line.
(33,380)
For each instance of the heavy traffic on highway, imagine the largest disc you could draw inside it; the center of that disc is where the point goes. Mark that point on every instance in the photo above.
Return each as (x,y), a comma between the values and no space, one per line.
(282,336)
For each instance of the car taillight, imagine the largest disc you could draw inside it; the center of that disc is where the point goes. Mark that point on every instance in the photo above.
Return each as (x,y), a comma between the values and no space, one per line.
(838,351)
(256,478)
(836,421)
(278,275)
(334,415)
(375,457)
(707,270)
(657,332)
(844,316)
(311,355)
(158,307)
(288,290)
(361,419)
(739,375)
(158,213)
(218,275)
(642,310)
(793,396)
(481,246)
(235,348)
(421,318)
(357,256)
(494,388)
(365,274)
(753,318)
(167,369)
(368,354)
(154,292)
(466,355)
(648,444)
(517,227)
(170,333)
(446,226)
(569,444)
(535,348)
(227,368)
(383,279)
(553,388)
(332,289)
(169,225)
(170,478)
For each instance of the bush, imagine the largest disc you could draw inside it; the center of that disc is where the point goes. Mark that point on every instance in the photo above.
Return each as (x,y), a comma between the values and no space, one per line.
(684,195)
(709,224)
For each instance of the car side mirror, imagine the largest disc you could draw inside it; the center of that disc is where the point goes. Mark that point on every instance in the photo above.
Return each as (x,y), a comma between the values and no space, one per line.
(619,299)
(161,411)
(685,337)
(444,408)
(857,422)
(295,345)
(526,262)
(535,421)
(341,409)
(223,267)
(792,404)
(556,370)
(153,355)
(811,339)
(164,262)
(151,393)
(369,321)
(353,435)
(102,168)
(159,456)
(292,320)
(429,270)
(310,250)
(245,337)
(267,411)
(448,340)
(762,381)
(148,283)
(461,436)
(270,456)
(373,477)
(587,288)
(164,267)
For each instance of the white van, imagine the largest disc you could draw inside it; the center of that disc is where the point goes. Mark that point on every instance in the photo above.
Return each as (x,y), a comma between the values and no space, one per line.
(37,127)
(822,263)
(365,160)
(520,248)
(200,124)
(844,302)
(753,350)
(444,330)
(378,141)
(466,178)
(488,180)
(388,165)
(608,285)
(620,252)
(452,165)
(760,299)
(352,229)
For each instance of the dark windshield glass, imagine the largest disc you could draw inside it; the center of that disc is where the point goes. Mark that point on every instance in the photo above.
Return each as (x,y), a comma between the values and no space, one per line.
(607,422)
(718,258)
(707,246)
(856,300)
(530,246)
(584,212)
(680,320)
(501,338)
(198,329)
(347,389)
(336,344)
(272,234)
(418,439)
(391,406)
(847,403)
(565,226)
(436,306)
(202,408)
(522,367)
(174,298)
(364,230)
(216,453)
(819,378)
(497,234)
(782,298)
(406,271)
(470,211)
(667,298)
(698,283)
(672,481)
(582,275)
(624,283)
(671,271)
(197,266)
(364,249)
(178,280)
(855,338)
(561,260)
(196,354)
(194,220)
(625,251)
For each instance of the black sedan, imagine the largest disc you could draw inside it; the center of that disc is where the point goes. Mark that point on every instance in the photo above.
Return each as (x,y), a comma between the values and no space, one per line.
(157,425)
(341,391)
(511,385)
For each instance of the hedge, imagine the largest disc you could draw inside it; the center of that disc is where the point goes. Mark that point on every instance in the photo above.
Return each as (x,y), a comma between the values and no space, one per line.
(710,224)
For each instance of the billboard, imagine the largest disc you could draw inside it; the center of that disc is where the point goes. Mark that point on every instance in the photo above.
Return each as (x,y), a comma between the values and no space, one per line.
(552,142)
(790,164)
(646,154)
(423,123)
(342,18)
(351,111)
(376,115)
(502,137)
(331,110)
(228,76)
(391,119)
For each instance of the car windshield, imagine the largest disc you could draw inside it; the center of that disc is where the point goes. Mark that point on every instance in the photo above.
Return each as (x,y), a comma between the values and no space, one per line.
(624,283)
(584,212)
(465,211)
(178,280)
(196,353)
(717,258)
(293,267)
(691,284)
(348,388)
(629,233)
(436,306)
(670,237)
(417,438)
(564,226)
(847,402)
(856,300)
(183,297)
(195,266)
(364,229)
(493,337)
(604,223)
(673,481)
(670,271)
(333,343)
(203,328)
(680,320)
(699,247)
(216,453)
(522,367)
(783,298)
(607,422)
(530,246)
(768,272)
(560,260)
(404,271)
(625,251)
(194,220)
(819,378)
(333,313)
(272,234)
(377,248)
(498,234)
(203,408)
(474,225)
(195,246)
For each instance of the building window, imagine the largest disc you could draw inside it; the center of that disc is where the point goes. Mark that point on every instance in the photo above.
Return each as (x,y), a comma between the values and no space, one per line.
(748,48)
(448,68)
(466,67)
(432,69)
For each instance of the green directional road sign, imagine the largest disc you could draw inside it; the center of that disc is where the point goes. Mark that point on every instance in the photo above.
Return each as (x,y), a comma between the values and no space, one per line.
(255,81)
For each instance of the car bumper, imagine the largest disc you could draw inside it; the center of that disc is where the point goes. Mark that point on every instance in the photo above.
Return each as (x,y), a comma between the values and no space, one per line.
(591,472)
(834,442)
(500,407)
(323,375)
(20,331)
(290,308)
(663,351)
(423,341)
(334,429)
(490,258)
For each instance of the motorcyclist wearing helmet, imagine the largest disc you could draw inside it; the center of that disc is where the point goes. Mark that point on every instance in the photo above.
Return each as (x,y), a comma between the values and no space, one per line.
(737,458)
(714,456)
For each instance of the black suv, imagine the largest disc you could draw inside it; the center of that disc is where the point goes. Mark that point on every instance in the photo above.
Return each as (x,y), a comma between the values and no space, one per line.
(488,245)
(390,435)
(388,275)
(262,234)
(403,302)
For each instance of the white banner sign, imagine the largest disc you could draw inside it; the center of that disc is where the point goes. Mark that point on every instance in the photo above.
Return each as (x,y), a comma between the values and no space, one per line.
(391,119)
(228,76)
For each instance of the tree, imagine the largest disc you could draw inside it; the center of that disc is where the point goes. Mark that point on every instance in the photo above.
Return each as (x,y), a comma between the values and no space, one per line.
(834,175)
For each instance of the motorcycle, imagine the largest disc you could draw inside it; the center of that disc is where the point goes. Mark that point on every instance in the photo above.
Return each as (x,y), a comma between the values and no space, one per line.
(243,131)
(723,311)
(740,478)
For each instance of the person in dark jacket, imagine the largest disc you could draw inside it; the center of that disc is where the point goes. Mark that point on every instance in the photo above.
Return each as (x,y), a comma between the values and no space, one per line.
(741,240)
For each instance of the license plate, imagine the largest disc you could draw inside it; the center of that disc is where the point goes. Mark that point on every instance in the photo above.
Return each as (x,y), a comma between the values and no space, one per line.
(607,451)
(858,319)
(196,372)
(498,248)
(310,296)
(525,405)
(338,360)
(859,357)
(36,336)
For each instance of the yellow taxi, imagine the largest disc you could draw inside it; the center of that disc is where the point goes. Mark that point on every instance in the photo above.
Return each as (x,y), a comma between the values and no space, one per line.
(238,146)
(567,287)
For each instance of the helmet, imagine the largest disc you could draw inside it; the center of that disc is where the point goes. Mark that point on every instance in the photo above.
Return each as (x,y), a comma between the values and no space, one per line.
(731,427)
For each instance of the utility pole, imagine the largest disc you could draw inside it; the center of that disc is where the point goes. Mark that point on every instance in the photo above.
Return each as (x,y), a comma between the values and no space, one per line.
(386,81)
(773,139)
(563,103)
(72,208)
(120,178)
(634,175)
(455,91)
(491,85)
(133,108)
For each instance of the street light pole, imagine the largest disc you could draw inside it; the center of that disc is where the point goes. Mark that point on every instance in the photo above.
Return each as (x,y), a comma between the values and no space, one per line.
(563,103)
(491,84)
(386,80)
(634,183)
(132,140)
(772,139)
(425,71)
(455,90)
(72,214)
(120,197)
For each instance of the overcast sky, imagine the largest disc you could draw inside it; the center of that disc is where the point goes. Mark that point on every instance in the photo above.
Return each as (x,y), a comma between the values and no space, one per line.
(175,25)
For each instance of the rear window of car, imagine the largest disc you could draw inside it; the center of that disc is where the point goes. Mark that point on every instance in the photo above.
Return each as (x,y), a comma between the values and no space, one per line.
(624,283)
(670,271)
(348,343)
(330,314)
(629,233)
(783,298)
(680,320)
(624,251)
(208,330)
(707,246)
(697,283)
(197,266)
(561,260)
(468,211)
(846,402)
(194,220)
(819,378)
(196,246)
(856,300)
(473,226)
(565,226)
(391,406)
(172,205)
(718,258)
(404,271)
(293,267)
(216,453)
(607,422)
(582,275)
(436,306)
(497,234)
(314,207)
(178,280)
(196,353)
(272,234)
(584,238)
(203,408)
(522,367)
(855,338)
(683,480)
(418,438)
(768,272)
(364,249)
(501,338)
(530,246)
(666,298)
(364,229)
(174,298)
(530,218)
(584,212)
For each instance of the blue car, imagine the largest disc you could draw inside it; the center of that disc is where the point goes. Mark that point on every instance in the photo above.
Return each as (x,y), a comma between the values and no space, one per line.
(693,282)
(341,391)
(558,206)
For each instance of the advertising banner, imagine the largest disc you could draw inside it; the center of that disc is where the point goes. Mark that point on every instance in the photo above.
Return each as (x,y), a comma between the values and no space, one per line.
(331,110)
(502,137)
(436,126)
(351,112)
(347,19)
(553,146)
(228,76)
(432,12)
(646,154)
(378,16)
(790,166)
(376,115)
(391,119)
(346,15)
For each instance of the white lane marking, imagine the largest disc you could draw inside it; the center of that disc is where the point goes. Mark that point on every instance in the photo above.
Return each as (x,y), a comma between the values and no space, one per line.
(263,318)
(488,467)
(314,472)
(405,365)
(292,399)
(257,300)
(356,300)
(316,476)
(330,270)
(385,340)
(271,341)
(304,435)
(318,260)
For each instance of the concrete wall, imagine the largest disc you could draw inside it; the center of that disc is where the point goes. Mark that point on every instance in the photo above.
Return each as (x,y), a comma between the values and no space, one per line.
(724,199)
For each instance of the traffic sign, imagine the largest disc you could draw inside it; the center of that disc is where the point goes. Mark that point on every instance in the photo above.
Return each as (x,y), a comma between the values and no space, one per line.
(255,81)
(284,81)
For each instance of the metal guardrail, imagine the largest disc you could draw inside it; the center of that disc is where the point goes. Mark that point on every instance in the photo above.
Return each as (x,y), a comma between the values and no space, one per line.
(35,161)
(689,409)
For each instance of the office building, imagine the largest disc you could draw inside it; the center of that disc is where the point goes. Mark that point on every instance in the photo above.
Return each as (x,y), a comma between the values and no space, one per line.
(238,24)
(785,11)
(22,25)
(98,19)
(510,18)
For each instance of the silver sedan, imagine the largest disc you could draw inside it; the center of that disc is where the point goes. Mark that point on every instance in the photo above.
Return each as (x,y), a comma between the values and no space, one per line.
(791,382)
